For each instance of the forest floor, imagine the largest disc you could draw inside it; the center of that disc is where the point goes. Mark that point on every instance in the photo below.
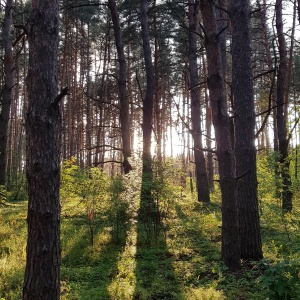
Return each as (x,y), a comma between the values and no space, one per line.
(105,260)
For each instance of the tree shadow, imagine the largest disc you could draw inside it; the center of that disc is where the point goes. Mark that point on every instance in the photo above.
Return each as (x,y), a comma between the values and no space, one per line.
(199,245)
(155,277)
(87,270)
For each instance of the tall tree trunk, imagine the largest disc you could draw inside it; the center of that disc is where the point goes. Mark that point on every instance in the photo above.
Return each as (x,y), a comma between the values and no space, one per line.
(148,211)
(281,112)
(230,228)
(124,103)
(244,128)
(157,103)
(201,174)
(148,98)
(42,276)
(7,89)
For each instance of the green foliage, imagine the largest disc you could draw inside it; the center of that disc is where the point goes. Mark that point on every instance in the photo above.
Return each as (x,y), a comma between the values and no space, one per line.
(3,195)
(282,280)
(18,189)
(12,250)
(265,175)
(89,186)
(118,208)
(295,167)
(185,262)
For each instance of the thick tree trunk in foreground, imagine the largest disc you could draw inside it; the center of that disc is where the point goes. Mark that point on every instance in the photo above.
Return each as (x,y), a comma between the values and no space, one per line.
(230,228)
(244,125)
(7,89)
(124,103)
(42,280)
(201,174)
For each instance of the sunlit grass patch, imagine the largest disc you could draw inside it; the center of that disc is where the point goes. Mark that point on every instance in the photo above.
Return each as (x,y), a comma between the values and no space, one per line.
(202,293)
(123,285)
(12,250)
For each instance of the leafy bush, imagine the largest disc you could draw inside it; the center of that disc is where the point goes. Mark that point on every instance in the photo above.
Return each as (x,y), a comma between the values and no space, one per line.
(90,186)
(265,175)
(18,189)
(3,195)
(282,280)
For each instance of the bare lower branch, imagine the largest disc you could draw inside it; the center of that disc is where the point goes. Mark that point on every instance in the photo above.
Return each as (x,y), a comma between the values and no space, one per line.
(59,97)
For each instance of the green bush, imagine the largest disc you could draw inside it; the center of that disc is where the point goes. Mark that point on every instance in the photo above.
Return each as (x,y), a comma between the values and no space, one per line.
(282,280)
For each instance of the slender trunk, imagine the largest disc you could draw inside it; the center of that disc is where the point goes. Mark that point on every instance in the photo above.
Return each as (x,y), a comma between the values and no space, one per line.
(7,89)
(148,210)
(201,174)
(148,98)
(281,112)
(124,103)
(230,228)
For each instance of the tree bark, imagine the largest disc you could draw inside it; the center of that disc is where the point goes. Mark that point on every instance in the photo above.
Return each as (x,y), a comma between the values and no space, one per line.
(124,103)
(201,174)
(148,98)
(244,129)
(217,95)
(7,89)
(42,276)
(148,212)
(281,112)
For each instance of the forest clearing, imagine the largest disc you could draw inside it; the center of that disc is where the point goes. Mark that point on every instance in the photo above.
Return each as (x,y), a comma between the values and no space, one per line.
(104,258)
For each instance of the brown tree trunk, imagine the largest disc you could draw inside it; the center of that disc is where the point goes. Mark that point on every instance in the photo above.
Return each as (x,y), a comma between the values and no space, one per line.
(148,98)
(42,279)
(148,213)
(230,228)
(7,89)
(281,112)
(124,103)
(244,129)
(201,174)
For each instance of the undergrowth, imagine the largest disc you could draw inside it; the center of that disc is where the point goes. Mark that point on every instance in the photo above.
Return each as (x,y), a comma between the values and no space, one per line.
(106,258)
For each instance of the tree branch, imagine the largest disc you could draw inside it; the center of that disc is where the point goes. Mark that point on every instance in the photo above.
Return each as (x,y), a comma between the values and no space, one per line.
(59,97)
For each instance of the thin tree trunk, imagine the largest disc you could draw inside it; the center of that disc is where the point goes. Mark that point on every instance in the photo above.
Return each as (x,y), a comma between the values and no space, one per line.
(7,89)
(201,174)
(281,116)
(230,228)
(148,210)
(124,103)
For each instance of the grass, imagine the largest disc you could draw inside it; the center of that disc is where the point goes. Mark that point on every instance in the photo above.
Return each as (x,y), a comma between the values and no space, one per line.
(184,264)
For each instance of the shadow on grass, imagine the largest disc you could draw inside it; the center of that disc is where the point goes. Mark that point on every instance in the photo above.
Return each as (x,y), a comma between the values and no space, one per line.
(155,277)
(87,270)
(199,239)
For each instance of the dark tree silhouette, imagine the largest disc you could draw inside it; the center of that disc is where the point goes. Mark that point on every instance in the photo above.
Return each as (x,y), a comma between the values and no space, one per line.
(42,279)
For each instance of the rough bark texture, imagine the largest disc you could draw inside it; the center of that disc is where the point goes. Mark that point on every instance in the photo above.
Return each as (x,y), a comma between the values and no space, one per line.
(148,98)
(244,125)
(281,112)
(42,280)
(148,214)
(124,104)
(201,174)
(230,228)
(7,88)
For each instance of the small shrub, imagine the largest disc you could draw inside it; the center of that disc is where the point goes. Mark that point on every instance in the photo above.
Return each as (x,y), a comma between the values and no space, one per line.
(282,280)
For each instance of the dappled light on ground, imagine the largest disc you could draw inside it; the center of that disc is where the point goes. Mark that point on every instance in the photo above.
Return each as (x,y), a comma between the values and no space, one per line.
(124,282)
